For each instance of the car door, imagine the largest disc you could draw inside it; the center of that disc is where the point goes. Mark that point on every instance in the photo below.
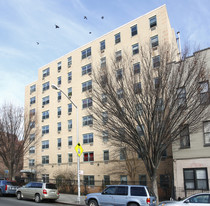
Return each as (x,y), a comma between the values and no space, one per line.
(121,196)
(198,200)
(107,196)
(25,190)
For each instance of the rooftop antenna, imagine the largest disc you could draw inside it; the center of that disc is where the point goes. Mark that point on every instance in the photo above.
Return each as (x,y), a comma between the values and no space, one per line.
(180,49)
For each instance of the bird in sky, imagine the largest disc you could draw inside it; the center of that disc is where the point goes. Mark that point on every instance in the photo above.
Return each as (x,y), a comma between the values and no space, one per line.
(102,17)
(56,26)
(85,17)
(90,32)
(37,43)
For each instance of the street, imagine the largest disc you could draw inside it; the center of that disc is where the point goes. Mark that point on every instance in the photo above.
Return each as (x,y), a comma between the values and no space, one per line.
(11,201)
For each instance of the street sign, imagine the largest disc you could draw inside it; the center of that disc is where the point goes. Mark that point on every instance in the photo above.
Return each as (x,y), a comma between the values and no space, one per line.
(79,149)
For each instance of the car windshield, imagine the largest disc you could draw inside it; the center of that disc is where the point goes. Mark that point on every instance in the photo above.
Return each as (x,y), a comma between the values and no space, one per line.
(51,186)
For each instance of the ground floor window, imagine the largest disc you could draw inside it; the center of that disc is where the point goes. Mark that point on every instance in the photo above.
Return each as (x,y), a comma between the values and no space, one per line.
(142,179)
(196,179)
(45,178)
(123,179)
(89,180)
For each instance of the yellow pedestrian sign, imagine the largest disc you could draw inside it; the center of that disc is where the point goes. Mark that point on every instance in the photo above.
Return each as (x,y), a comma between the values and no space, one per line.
(79,149)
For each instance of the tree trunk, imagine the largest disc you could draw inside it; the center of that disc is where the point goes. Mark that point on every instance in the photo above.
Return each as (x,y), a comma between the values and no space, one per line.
(155,188)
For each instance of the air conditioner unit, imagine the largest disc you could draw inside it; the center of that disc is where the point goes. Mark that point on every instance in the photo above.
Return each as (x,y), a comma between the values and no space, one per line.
(153,28)
(92,163)
(59,132)
(59,116)
(91,144)
(89,73)
(102,51)
(42,120)
(154,48)
(69,130)
(69,113)
(90,90)
(42,106)
(90,125)
(59,148)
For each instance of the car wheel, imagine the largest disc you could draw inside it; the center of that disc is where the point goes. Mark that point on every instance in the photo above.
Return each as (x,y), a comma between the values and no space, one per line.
(1,193)
(92,203)
(133,204)
(19,196)
(37,198)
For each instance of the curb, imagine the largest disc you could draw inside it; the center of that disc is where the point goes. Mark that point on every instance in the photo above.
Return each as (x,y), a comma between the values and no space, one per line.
(65,203)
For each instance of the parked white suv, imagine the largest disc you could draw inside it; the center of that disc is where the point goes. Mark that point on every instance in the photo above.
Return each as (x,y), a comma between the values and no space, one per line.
(124,195)
(38,191)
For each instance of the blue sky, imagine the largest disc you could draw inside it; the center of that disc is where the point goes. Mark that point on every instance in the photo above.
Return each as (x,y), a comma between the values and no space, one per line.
(25,22)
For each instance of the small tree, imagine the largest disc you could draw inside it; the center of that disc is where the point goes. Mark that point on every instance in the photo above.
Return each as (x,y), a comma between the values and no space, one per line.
(146,100)
(15,129)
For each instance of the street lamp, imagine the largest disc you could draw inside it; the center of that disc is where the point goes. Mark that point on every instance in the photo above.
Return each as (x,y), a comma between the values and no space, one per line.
(78,157)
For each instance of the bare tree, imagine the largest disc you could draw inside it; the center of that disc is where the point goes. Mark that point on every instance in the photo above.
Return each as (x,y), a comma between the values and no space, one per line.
(146,100)
(15,139)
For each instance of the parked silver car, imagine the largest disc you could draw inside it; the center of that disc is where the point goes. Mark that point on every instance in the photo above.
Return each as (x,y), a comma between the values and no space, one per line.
(194,200)
(38,191)
(123,195)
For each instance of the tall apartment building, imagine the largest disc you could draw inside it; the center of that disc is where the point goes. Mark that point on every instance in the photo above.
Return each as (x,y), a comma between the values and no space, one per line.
(57,116)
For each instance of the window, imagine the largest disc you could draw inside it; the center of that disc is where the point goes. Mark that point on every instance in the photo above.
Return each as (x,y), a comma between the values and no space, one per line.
(59,111)
(88,156)
(45,144)
(69,76)
(134,30)
(45,129)
(70,124)
(45,100)
(157,82)
(69,61)
(154,41)
(59,158)
(122,154)
(156,61)
(119,74)
(87,138)
(120,93)
(204,92)
(86,53)
(59,81)
(106,180)
(118,55)
(138,191)
(181,96)
(87,120)
(164,181)
(32,124)
(135,49)
(59,66)
(32,112)
(105,117)
(32,100)
(123,179)
(122,190)
(70,141)
(45,115)
(104,80)
(136,68)
(89,180)
(200,198)
(159,106)
(69,108)
(117,38)
(195,179)
(45,159)
(139,109)
(153,21)
(206,132)
(87,102)
(70,157)
(140,130)
(86,69)
(45,86)
(59,126)
(32,150)
(184,137)
(32,137)
(31,162)
(106,155)
(104,98)
(137,88)
(32,88)
(143,180)
(46,72)
(45,178)
(59,142)
(69,91)
(102,45)
(87,86)
(105,136)
(59,96)
(103,62)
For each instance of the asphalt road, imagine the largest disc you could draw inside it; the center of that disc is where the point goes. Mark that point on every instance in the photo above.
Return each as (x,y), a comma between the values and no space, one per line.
(12,201)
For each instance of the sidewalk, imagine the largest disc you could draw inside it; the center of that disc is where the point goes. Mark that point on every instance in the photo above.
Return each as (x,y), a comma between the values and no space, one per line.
(69,199)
